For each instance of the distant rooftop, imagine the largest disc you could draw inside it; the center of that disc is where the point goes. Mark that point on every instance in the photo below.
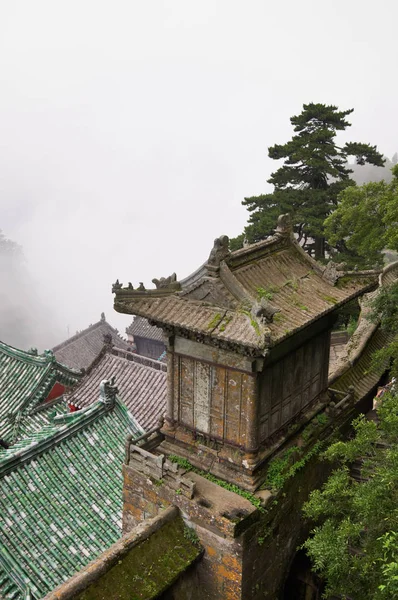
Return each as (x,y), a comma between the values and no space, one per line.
(80,350)
(141,328)
(141,383)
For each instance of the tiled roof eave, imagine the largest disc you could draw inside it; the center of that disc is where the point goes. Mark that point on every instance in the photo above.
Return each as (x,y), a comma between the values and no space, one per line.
(218,338)
(19,457)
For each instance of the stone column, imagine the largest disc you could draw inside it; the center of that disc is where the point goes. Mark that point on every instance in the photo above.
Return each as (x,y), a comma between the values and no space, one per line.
(251,445)
(169,421)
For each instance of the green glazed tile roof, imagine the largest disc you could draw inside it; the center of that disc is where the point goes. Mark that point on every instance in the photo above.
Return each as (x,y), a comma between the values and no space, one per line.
(61,498)
(25,381)
(42,415)
(8,589)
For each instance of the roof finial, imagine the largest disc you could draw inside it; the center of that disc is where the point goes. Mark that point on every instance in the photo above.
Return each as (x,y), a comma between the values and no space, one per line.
(102,316)
(107,337)
(108,392)
(284,226)
(219,252)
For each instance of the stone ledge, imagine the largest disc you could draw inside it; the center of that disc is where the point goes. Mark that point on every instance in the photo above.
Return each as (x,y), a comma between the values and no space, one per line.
(98,567)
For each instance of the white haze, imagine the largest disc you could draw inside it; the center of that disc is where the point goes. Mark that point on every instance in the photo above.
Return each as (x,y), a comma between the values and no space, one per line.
(131,131)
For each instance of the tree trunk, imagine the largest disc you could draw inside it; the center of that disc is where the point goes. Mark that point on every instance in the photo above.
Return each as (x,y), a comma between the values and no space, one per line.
(319,248)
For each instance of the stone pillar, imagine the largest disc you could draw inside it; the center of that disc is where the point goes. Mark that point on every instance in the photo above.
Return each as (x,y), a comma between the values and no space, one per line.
(252,440)
(169,421)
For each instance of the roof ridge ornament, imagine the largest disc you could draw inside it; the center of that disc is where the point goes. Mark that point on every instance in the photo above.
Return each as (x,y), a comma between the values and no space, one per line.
(264,311)
(284,225)
(116,286)
(219,252)
(333,271)
(108,392)
(169,283)
(49,354)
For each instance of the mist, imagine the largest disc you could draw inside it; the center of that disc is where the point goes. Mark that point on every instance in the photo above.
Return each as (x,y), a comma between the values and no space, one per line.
(131,132)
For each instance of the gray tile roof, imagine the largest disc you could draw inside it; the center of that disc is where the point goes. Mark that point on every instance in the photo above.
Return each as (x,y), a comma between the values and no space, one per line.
(141,383)
(80,350)
(141,328)
(222,302)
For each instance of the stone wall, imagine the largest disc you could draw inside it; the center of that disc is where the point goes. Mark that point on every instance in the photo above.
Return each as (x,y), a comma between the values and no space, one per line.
(218,516)
(248,550)
(247,553)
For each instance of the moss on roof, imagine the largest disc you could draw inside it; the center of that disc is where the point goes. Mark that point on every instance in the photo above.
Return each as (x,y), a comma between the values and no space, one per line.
(149,568)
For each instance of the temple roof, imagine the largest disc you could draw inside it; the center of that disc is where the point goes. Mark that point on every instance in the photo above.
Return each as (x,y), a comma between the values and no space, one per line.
(26,379)
(250,299)
(356,367)
(80,350)
(61,498)
(141,328)
(141,382)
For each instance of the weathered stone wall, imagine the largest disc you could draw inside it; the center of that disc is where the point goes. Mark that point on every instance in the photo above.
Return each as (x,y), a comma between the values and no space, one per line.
(247,551)
(270,545)
(213,399)
(218,517)
(246,556)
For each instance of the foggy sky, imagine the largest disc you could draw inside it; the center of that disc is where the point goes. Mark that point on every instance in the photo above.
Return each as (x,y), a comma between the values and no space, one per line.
(131,131)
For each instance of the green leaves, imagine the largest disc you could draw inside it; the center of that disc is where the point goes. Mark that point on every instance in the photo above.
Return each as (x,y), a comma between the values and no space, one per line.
(355,544)
(385,311)
(308,183)
(365,223)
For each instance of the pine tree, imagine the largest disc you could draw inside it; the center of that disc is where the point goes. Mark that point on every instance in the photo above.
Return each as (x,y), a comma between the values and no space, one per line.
(314,172)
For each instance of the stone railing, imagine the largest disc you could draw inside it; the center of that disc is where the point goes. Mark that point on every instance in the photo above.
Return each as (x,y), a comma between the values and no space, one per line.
(159,468)
(335,408)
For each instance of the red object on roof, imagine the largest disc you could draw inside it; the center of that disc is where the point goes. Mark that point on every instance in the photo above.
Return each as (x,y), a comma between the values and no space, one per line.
(57,390)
